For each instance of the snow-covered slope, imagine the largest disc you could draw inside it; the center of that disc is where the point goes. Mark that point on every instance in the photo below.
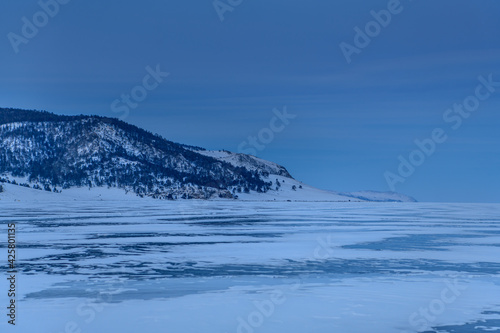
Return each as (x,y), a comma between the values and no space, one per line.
(247,161)
(293,190)
(285,192)
(16,193)
(97,157)
(379,196)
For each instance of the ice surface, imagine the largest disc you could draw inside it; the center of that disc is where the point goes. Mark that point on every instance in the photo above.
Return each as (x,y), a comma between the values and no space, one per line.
(226,266)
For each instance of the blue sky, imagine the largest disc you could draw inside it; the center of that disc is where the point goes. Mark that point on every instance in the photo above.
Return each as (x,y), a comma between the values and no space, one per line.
(353,120)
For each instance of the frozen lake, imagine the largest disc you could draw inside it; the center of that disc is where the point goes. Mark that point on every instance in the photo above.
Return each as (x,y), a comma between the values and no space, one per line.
(157,266)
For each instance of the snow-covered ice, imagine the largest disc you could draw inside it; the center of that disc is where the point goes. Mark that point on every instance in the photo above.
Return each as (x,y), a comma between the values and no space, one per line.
(227,266)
